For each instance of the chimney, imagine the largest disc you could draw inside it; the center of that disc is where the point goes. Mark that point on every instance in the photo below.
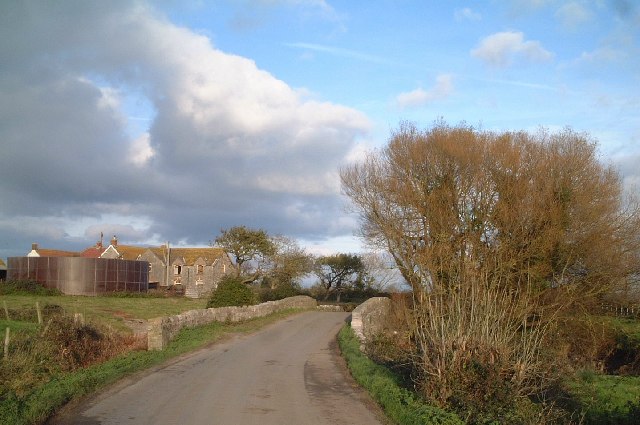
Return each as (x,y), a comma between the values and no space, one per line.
(34,251)
(114,241)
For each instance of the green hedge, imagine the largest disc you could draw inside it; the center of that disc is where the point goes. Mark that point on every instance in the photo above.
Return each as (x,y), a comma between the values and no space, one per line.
(231,292)
(401,405)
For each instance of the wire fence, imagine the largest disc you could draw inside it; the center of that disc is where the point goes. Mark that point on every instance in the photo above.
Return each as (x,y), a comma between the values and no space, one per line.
(621,310)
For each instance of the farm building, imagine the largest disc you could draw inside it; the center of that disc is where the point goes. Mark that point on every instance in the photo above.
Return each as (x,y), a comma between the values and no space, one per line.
(194,272)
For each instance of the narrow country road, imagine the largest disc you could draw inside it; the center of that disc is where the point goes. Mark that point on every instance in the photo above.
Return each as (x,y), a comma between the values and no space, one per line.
(287,373)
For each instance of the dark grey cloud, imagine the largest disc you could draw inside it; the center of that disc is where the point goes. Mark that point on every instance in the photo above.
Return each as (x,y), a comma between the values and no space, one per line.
(229,143)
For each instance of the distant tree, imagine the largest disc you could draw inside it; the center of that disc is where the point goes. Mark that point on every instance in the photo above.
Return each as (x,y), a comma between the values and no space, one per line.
(338,272)
(271,261)
(251,249)
(381,273)
(288,263)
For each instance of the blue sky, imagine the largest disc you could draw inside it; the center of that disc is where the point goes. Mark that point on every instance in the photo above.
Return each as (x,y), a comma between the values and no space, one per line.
(167,120)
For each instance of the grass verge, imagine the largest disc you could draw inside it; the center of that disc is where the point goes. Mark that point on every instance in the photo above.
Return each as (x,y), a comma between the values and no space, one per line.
(41,403)
(606,399)
(400,405)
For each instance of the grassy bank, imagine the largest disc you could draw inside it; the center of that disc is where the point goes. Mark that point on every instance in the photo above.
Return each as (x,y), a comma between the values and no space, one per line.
(400,404)
(606,399)
(39,403)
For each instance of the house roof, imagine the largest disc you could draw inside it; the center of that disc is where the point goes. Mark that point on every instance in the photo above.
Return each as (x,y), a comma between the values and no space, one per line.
(56,253)
(130,252)
(190,255)
(93,252)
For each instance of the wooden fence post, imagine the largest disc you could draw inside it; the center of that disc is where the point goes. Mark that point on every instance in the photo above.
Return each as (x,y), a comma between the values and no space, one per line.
(6,342)
(39,312)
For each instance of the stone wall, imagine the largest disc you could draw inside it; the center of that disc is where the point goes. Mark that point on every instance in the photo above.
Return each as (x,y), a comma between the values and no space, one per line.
(161,330)
(370,317)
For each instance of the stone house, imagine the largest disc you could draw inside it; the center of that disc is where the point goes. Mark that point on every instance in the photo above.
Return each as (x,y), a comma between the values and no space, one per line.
(192,271)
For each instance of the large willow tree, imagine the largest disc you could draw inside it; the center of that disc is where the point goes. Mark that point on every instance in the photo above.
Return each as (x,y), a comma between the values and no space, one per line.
(491,229)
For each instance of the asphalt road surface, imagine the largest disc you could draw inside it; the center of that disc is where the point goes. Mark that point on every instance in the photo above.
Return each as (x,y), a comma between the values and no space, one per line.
(289,372)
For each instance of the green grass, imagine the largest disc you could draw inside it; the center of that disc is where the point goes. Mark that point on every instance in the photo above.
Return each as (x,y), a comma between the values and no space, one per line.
(606,399)
(37,406)
(609,399)
(17,325)
(400,405)
(109,310)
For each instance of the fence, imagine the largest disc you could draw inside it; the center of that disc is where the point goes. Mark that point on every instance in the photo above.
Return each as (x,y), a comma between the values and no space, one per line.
(621,310)
(81,276)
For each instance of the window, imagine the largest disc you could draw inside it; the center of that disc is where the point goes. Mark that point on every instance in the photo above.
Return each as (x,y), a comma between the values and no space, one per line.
(177,269)
(199,281)
(149,268)
(200,269)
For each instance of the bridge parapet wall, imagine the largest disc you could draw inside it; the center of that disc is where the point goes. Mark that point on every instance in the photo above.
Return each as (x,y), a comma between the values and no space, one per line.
(370,317)
(161,330)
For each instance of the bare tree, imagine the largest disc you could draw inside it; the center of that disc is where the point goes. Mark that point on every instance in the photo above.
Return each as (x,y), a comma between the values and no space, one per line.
(289,263)
(489,230)
(381,274)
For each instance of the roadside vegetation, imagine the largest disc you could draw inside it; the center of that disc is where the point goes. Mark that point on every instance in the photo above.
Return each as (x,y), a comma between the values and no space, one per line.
(400,404)
(67,356)
(511,242)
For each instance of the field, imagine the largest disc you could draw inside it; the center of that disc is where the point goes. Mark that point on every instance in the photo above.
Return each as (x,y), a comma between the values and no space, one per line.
(109,310)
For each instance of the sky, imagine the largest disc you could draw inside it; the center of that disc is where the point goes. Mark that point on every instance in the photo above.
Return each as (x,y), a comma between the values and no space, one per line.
(172,120)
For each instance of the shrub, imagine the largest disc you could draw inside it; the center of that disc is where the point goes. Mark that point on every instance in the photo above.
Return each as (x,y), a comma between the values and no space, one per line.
(62,345)
(231,292)
(284,290)
(26,287)
(401,405)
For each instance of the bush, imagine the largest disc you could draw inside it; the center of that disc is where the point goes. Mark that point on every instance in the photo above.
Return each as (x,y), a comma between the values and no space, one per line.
(62,345)
(282,291)
(231,292)
(26,287)
(401,405)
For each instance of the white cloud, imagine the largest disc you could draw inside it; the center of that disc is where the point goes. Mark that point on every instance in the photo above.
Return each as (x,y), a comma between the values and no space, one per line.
(500,49)
(141,151)
(466,14)
(420,97)
(339,51)
(603,55)
(573,14)
(228,143)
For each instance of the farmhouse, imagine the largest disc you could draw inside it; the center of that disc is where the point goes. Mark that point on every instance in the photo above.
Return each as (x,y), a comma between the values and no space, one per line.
(194,272)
